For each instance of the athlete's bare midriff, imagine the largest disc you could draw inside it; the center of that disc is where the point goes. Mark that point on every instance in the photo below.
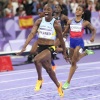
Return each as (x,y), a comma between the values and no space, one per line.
(42,41)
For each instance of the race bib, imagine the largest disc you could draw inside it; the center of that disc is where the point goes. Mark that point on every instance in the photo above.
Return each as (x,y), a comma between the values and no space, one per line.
(76,28)
(45,34)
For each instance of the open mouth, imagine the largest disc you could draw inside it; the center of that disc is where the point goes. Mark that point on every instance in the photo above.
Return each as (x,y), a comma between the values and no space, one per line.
(46,14)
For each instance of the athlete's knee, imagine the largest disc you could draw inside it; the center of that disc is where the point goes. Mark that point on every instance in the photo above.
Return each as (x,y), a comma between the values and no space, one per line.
(48,70)
(37,60)
(73,62)
(75,57)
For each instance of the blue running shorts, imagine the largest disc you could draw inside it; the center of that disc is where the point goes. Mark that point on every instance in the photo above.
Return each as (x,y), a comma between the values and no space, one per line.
(74,42)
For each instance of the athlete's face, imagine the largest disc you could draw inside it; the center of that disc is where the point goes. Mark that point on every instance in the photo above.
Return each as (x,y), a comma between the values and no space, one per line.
(57,9)
(79,11)
(47,11)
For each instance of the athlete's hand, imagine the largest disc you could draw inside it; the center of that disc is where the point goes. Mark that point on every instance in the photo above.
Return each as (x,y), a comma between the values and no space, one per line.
(67,59)
(19,53)
(92,39)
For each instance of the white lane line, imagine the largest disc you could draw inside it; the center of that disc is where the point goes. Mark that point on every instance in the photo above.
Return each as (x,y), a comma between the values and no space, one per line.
(43,93)
(31,70)
(90,97)
(95,68)
(50,83)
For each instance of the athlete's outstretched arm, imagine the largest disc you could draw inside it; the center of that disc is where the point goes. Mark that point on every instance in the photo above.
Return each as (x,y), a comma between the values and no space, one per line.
(89,25)
(31,35)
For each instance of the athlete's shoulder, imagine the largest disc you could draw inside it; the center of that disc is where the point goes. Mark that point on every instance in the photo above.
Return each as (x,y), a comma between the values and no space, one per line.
(38,21)
(85,22)
(53,19)
(56,23)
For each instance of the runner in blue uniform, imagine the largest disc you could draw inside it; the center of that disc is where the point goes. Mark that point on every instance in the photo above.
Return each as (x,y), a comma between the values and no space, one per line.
(76,27)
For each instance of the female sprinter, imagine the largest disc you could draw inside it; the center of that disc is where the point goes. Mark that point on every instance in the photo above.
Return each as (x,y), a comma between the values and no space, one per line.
(48,29)
(76,27)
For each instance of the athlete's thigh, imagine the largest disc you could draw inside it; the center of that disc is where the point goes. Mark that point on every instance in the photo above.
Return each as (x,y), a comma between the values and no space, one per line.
(44,55)
(76,52)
